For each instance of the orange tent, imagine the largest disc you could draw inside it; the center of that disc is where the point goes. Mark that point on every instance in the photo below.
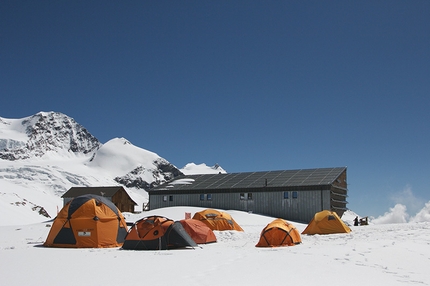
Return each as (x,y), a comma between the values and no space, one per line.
(198,231)
(279,233)
(88,221)
(217,220)
(326,222)
(157,233)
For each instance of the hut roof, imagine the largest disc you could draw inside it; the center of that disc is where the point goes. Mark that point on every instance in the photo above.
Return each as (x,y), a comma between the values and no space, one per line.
(249,180)
(101,191)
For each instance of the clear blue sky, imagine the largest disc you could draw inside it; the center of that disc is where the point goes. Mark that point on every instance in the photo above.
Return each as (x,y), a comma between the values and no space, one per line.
(251,85)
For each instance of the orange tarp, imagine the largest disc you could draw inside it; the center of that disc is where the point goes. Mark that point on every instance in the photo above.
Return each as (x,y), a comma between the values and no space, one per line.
(198,231)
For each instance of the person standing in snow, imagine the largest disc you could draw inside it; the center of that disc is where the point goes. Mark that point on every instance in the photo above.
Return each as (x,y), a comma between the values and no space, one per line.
(356,221)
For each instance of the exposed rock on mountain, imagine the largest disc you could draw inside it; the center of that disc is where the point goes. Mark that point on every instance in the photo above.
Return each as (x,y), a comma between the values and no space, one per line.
(162,172)
(45,132)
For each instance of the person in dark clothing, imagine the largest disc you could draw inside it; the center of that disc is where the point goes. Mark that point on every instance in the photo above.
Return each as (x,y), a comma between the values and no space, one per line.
(356,221)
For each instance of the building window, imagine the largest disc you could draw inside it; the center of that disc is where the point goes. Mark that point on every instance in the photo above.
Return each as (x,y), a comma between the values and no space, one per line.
(295,194)
(202,197)
(209,197)
(171,198)
(245,196)
(164,198)
(285,195)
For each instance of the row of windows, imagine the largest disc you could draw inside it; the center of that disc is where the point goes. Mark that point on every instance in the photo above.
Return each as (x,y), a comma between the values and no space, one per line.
(287,195)
(243,196)
(206,196)
(202,197)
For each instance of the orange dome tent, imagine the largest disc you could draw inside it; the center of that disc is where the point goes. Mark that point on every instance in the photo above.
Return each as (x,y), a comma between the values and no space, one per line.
(279,233)
(198,231)
(88,221)
(326,222)
(157,233)
(217,220)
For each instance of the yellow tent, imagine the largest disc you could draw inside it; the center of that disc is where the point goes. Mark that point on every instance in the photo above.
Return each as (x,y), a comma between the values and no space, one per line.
(326,222)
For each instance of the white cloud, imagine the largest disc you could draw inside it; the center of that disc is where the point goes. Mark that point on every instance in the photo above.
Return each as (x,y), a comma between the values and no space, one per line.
(397,214)
(423,215)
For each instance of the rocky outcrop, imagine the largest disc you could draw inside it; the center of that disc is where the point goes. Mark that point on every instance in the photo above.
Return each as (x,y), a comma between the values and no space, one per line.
(162,172)
(48,131)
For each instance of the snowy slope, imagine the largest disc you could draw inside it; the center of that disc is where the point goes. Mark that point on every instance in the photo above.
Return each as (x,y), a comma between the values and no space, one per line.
(369,255)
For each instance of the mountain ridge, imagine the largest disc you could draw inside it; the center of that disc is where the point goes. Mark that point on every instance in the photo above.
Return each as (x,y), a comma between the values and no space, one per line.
(43,155)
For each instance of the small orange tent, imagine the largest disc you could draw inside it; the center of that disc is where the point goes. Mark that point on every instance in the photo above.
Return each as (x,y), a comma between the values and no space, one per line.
(157,233)
(217,220)
(326,222)
(88,221)
(279,233)
(198,231)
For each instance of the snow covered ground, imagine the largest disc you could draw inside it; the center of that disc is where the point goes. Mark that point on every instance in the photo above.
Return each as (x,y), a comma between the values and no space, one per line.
(377,254)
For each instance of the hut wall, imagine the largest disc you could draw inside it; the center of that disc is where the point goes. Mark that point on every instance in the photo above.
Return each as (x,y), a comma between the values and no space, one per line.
(291,205)
(123,201)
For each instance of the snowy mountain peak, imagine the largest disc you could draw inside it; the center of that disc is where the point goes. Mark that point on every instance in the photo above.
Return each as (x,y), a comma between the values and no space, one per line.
(41,133)
(192,169)
(132,166)
(44,155)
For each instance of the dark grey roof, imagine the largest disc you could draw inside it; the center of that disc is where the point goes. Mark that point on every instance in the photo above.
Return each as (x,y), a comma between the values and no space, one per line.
(287,178)
(101,191)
